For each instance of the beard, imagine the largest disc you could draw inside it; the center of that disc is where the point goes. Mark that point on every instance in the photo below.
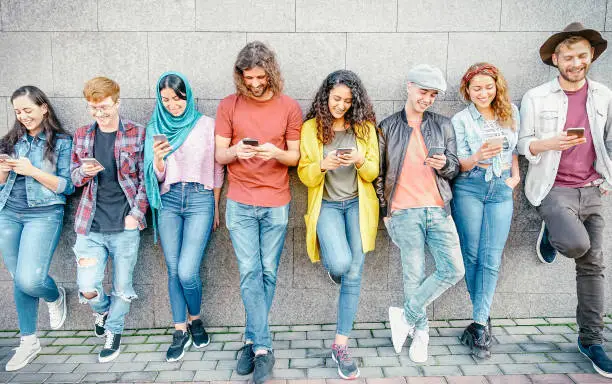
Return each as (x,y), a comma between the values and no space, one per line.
(258,91)
(573,77)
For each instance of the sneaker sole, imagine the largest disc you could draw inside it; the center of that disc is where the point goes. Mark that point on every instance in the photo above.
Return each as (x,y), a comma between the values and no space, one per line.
(202,345)
(538,253)
(185,348)
(595,367)
(63,293)
(109,357)
(356,375)
(25,362)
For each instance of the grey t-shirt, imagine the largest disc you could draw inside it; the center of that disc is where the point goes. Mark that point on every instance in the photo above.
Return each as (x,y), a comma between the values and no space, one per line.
(111,204)
(340,183)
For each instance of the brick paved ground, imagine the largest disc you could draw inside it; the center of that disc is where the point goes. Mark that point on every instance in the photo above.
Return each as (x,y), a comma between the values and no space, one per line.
(541,350)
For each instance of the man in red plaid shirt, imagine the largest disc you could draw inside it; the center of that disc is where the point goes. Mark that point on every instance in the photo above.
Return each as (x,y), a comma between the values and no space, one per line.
(107,161)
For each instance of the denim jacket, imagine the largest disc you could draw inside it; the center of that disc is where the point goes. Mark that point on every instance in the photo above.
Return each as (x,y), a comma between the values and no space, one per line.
(543,114)
(37,194)
(468,125)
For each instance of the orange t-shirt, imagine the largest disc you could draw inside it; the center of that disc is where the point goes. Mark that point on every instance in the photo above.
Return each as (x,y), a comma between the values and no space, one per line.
(416,186)
(276,121)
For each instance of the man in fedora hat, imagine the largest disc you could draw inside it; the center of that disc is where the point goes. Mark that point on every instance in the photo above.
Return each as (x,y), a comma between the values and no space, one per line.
(566,135)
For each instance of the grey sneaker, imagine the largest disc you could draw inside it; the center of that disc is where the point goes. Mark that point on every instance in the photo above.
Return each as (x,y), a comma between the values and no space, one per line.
(28,349)
(347,369)
(246,361)
(263,367)
(57,310)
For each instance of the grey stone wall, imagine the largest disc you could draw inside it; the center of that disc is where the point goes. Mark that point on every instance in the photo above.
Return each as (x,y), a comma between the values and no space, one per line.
(58,45)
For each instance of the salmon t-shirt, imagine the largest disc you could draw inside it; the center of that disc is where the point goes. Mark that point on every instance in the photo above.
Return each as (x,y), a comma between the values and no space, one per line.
(278,120)
(416,186)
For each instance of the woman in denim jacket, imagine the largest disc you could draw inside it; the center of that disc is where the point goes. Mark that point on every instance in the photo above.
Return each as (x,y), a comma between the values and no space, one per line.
(486,133)
(34,183)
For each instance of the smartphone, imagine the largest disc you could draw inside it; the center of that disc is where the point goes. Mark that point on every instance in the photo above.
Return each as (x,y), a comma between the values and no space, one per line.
(91,161)
(251,142)
(495,141)
(435,151)
(579,132)
(4,157)
(160,137)
(343,151)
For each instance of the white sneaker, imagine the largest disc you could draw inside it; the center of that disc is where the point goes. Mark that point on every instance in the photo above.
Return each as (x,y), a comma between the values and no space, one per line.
(400,329)
(28,349)
(418,348)
(57,310)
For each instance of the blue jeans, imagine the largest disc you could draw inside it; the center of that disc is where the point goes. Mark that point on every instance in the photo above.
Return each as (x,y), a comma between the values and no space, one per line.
(342,254)
(92,252)
(483,213)
(412,230)
(185,223)
(258,236)
(27,244)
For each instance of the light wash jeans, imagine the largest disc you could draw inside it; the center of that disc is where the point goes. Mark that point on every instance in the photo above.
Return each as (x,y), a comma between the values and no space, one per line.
(342,255)
(412,230)
(258,236)
(122,248)
(483,214)
(185,223)
(27,243)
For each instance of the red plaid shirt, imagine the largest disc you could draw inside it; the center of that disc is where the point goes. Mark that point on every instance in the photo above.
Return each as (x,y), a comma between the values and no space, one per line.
(129,154)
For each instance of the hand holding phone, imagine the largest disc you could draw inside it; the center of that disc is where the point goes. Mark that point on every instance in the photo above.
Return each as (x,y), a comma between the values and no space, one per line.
(4,157)
(434,151)
(91,166)
(436,158)
(4,165)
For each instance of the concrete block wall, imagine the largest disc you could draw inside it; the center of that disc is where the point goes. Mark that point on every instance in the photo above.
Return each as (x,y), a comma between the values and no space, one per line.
(58,45)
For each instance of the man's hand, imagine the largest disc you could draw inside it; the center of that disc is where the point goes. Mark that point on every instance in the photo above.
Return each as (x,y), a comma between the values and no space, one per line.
(267,151)
(244,151)
(91,170)
(130,222)
(437,161)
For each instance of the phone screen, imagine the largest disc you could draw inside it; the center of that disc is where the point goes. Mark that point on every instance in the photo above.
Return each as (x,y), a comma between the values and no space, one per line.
(251,142)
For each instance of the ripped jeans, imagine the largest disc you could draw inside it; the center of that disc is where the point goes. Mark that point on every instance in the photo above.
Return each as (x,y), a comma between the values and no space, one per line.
(92,252)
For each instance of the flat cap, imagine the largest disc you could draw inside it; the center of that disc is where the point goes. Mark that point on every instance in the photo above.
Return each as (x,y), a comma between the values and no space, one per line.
(427,77)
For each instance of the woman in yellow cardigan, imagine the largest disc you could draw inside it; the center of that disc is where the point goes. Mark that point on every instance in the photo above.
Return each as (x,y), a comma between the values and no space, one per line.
(339,161)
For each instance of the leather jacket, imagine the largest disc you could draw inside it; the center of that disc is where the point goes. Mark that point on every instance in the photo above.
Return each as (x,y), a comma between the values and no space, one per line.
(393,137)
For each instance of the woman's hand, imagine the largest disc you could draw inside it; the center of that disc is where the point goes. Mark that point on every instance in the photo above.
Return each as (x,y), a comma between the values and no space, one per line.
(160,150)
(353,157)
(22,166)
(330,162)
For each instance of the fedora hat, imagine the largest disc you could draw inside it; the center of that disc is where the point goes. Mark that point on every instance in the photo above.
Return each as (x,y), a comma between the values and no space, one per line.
(574,29)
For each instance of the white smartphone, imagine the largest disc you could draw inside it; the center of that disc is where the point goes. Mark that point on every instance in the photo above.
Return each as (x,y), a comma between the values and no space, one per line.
(4,157)
(91,161)
(495,141)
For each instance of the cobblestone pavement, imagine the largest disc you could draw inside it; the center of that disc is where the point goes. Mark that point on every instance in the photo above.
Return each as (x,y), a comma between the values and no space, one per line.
(536,350)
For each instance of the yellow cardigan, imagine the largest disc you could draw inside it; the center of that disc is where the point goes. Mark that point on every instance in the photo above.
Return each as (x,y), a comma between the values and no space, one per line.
(309,171)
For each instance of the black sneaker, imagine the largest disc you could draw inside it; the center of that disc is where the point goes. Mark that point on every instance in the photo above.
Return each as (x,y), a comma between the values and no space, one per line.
(263,367)
(477,337)
(347,369)
(180,343)
(601,362)
(545,251)
(99,322)
(198,334)
(112,347)
(246,362)
(335,279)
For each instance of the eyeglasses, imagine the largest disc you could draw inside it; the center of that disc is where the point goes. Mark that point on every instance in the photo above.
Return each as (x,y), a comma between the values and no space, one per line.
(103,109)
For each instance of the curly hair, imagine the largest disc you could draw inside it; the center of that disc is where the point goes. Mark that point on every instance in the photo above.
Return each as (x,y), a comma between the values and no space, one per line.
(257,54)
(501,103)
(360,112)
(50,124)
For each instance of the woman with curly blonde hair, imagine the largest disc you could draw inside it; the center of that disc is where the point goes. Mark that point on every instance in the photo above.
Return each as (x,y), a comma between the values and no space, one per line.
(487,133)
(339,149)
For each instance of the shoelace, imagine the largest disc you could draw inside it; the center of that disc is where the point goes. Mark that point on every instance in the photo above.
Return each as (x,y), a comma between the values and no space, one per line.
(109,340)
(176,338)
(343,353)
(99,319)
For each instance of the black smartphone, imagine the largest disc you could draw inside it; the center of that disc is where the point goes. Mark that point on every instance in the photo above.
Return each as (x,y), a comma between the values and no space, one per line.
(435,151)
(251,142)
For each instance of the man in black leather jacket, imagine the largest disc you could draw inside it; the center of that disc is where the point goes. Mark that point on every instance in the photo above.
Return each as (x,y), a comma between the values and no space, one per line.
(417,161)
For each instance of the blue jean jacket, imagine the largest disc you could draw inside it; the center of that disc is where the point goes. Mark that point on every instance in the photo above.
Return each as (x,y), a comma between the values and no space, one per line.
(37,194)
